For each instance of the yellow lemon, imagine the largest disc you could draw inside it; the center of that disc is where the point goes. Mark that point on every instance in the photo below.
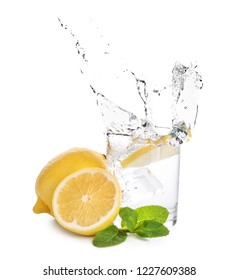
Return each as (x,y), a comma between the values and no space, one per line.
(59,168)
(87,201)
(151,152)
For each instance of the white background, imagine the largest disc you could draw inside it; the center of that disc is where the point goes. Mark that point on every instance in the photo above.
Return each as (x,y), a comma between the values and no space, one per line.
(46,108)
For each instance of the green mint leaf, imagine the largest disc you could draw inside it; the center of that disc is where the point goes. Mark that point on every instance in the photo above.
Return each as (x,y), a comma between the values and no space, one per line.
(150,229)
(152,212)
(109,237)
(129,218)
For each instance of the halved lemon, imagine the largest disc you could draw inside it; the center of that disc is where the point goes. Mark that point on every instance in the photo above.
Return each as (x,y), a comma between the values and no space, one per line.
(87,201)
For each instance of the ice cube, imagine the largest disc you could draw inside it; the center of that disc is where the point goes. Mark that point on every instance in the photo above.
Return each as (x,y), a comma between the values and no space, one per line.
(138,185)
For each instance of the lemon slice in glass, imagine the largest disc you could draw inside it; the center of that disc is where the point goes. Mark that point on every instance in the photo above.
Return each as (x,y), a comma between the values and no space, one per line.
(149,154)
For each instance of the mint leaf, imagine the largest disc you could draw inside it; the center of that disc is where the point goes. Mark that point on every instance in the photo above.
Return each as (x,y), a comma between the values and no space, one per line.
(129,218)
(109,237)
(152,212)
(151,229)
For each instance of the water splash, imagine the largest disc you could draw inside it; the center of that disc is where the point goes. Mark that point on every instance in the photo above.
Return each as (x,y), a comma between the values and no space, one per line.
(171,111)
(118,120)
(80,50)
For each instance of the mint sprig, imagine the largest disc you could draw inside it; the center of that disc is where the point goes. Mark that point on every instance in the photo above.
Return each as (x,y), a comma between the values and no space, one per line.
(146,222)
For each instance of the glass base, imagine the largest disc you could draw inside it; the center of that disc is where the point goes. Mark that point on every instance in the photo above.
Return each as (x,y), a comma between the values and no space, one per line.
(172,217)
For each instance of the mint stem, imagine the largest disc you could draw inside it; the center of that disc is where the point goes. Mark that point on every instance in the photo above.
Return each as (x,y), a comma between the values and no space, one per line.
(124,230)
